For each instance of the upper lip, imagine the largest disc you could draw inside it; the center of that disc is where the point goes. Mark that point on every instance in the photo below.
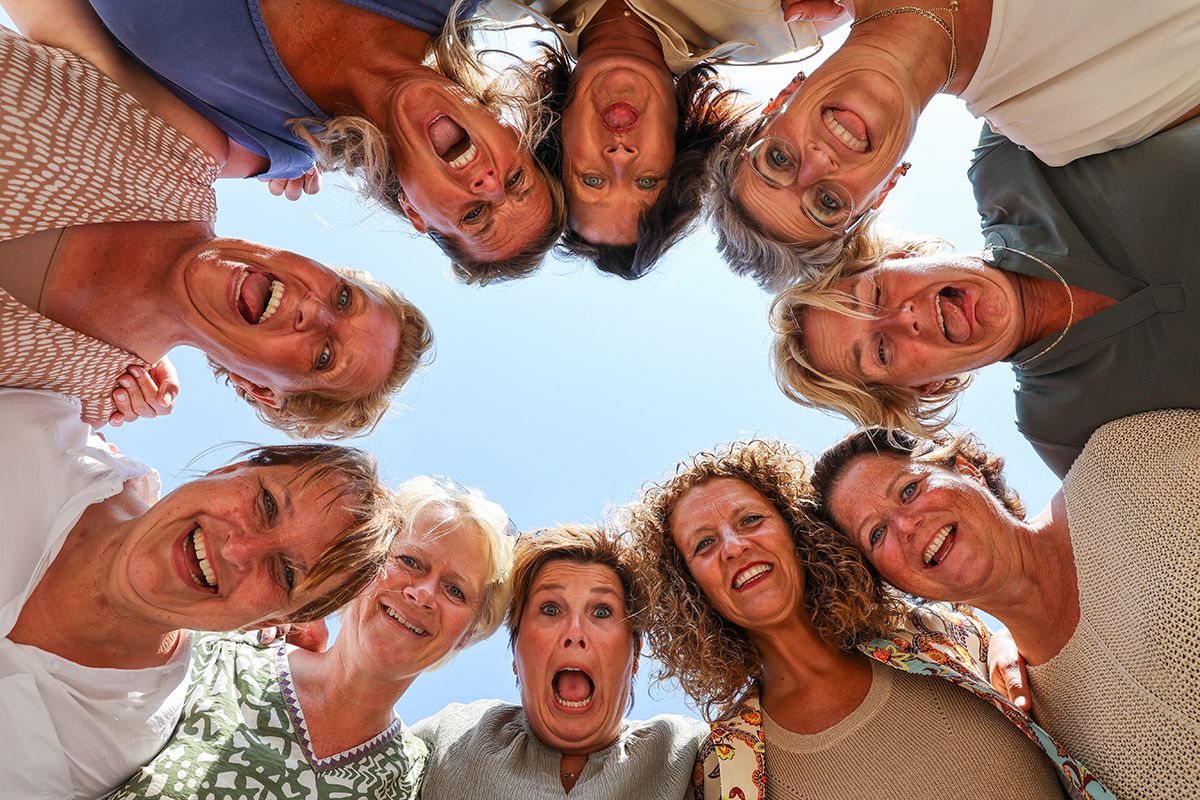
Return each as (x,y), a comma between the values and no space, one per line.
(407,616)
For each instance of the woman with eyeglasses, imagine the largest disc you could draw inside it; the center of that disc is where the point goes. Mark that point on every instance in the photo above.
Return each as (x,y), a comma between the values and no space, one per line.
(288,722)
(1063,80)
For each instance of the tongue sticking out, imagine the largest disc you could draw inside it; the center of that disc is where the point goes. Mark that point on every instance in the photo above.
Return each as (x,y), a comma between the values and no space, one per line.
(445,134)
(573,686)
(620,117)
(253,297)
(954,316)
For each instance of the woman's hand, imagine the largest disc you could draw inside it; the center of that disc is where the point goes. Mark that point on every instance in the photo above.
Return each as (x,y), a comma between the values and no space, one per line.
(312,636)
(308,183)
(1006,667)
(145,392)
(813,11)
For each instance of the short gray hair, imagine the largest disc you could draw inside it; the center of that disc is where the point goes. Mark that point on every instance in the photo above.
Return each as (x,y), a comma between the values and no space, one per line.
(747,250)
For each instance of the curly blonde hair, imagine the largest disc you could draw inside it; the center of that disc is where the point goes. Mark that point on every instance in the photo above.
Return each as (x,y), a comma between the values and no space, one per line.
(865,404)
(305,415)
(712,659)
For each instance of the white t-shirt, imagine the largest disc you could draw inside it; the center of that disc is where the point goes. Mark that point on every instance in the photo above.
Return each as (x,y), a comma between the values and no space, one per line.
(1070,78)
(67,731)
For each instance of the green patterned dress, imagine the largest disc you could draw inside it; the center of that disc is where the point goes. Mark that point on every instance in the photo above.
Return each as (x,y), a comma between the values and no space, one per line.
(243,735)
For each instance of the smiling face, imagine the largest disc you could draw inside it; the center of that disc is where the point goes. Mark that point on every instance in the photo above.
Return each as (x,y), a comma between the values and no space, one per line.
(936,317)
(838,141)
(228,550)
(619,144)
(931,531)
(464,173)
(424,604)
(282,323)
(575,657)
(739,550)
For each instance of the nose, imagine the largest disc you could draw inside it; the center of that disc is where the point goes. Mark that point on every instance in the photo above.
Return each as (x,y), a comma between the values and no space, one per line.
(904,319)
(242,551)
(906,522)
(487,184)
(816,163)
(420,592)
(574,634)
(312,312)
(620,155)
(732,545)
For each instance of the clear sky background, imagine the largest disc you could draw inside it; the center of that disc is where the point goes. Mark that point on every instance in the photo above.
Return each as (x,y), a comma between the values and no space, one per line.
(560,394)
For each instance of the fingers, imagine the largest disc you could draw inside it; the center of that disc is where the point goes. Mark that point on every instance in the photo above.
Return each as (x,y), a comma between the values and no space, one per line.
(164,374)
(312,181)
(272,633)
(292,188)
(312,636)
(811,10)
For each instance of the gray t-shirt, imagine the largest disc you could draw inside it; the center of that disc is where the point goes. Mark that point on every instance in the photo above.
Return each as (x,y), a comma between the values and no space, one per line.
(486,749)
(1125,224)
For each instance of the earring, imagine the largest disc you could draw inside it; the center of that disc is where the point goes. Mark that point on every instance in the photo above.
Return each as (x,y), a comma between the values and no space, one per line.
(905,166)
(786,94)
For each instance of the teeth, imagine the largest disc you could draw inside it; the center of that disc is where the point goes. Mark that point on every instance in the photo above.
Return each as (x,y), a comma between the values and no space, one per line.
(465,158)
(936,544)
(848,138)
(941,320)
(573,703)
(391,612)
(749,574)
(237,290)
(273,303)
(210,575)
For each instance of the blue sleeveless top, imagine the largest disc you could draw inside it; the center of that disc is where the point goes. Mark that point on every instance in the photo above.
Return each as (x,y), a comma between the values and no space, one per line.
(218,57)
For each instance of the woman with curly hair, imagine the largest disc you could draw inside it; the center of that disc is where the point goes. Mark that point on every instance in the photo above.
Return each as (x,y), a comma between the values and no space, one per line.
(109,258)
(773,624)
(631,106)
(388,90)
(1098,590)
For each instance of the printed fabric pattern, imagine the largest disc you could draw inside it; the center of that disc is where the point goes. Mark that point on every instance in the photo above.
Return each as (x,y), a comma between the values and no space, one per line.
(242,735)
(939,640)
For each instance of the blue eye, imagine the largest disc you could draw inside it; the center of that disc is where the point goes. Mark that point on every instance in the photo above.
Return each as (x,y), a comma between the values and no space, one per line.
(323,360)
(702,544)
(550,609)
(343,297)
(270,507)
(289,577)
(455,592)
(594,181)
(908,491)
(603,612)
(516,180)
(875,536)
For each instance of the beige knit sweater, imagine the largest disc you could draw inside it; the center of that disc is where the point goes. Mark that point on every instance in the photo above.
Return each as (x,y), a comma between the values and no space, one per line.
(1123,695)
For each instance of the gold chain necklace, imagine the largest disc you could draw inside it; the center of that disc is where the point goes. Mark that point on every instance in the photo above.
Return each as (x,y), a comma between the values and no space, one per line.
(929,15)
(1070,299)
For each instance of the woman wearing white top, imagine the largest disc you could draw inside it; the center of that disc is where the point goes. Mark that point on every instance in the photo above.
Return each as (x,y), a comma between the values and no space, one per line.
(100,582)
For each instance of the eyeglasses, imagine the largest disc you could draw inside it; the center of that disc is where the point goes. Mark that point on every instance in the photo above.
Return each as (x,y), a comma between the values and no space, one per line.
(777,162)
(456,489)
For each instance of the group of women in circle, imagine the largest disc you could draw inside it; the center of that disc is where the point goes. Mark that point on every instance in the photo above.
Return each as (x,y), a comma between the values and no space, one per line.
(801,606)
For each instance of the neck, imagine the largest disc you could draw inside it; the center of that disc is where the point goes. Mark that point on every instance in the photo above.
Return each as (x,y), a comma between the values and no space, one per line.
(77,612)
(1045,308)
(569,769)
(612,31)
(345,702)
(345,58)
(1035,593)
(807,685)
(921,45)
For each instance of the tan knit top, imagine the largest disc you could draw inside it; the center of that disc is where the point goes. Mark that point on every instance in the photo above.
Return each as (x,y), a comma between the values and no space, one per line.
(912,736)
(1123,695)
(74,150)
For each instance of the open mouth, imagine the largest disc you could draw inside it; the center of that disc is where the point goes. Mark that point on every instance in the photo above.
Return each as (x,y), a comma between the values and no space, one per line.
(751,574)
(848,127)
(394,614)
(951,307)
(941,545)
(573,688)
(620,117)
(257,295)
(451,142)
(195,554)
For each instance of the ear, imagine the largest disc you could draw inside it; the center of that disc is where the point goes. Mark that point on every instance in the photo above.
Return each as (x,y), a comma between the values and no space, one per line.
(929,388)
(901,169)
(262,394)
(970,470)
(413,215)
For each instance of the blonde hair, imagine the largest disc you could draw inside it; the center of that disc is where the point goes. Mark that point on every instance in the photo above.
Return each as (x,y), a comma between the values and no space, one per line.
(468,507)
(304,415)
(358,552)
(895,407)
(712,659)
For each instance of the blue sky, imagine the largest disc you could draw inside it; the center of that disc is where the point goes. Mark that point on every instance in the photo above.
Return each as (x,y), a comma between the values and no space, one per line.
(559,395)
